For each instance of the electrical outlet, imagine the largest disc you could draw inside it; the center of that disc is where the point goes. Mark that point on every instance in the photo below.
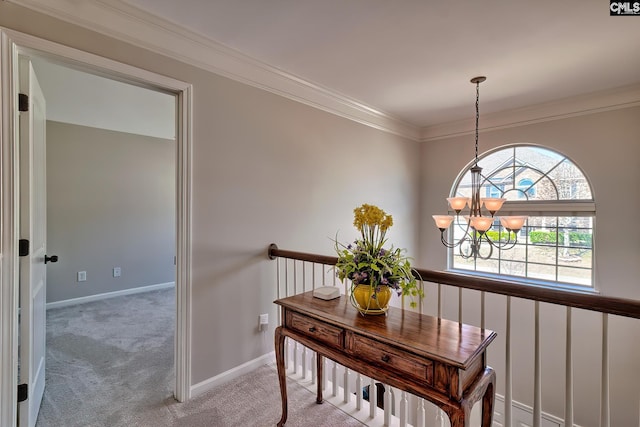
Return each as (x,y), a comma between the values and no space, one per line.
(263,321)
(82,276)
(117,272)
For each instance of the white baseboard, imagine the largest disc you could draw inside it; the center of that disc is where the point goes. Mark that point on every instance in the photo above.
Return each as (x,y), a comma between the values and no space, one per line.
(97,297)
(206,385)
(522,415)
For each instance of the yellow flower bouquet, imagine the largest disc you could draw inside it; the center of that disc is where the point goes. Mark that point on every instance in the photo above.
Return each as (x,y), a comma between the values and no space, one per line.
(367,262)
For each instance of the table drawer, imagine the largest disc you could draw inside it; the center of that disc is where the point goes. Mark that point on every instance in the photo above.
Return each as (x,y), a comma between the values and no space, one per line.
(316,329)
(390,358)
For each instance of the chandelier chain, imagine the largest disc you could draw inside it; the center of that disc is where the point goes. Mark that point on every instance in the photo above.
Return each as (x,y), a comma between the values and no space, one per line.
(477,116)
(476,227)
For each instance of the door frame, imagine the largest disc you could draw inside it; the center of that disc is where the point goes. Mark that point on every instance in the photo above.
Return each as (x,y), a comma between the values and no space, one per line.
(12,43)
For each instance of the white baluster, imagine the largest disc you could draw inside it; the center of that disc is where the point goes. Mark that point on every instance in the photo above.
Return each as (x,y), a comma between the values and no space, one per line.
(508,386)
(305,368)
(439,301)
(421,414)
(295,357)
(359,392)
(459,305)
(324,275)
(334,379)
(537,371)
(325,379)
(295,277)
(345,386)
(604,399)
(568,409)
(286,353)
(278,261)
(439,418)
(314,372)
(387,405)
(482,306)
(404,407)
(373,398)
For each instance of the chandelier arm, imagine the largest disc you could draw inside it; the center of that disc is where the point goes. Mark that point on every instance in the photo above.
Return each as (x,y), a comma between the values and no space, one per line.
(491,246)
(445,242)
(459,243)
(465,229)
(472,245)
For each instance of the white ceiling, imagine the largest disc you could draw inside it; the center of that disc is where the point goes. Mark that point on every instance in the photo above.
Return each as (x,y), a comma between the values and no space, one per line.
(413,59)
(84,99)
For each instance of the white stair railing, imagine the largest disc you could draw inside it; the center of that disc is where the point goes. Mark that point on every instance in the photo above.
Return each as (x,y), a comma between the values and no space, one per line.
(296,274)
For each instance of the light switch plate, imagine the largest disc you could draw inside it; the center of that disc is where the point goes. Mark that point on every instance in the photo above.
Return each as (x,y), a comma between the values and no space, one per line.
(327,292)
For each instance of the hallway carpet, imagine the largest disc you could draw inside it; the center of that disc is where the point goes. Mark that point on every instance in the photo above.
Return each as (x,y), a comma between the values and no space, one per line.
(110,364)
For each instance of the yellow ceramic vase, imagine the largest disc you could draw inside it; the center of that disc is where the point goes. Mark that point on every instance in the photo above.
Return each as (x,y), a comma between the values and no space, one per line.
(368,301)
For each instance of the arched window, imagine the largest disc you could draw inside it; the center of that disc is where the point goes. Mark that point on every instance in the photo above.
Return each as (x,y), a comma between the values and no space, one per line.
(556,245)
(525,185)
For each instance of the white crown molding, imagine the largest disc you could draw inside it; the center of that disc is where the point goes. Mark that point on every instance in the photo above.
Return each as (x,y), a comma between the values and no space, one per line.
(122,21)
(622,97)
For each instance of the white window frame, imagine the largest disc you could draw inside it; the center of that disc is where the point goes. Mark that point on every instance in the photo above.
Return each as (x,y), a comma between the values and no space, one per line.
(535,208)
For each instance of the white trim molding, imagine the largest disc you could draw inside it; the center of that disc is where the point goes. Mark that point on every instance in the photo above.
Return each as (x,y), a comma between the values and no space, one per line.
(614,99)
(107,295)
(522,415)
(8,238)
(213,382)
(122,21)
(12,43)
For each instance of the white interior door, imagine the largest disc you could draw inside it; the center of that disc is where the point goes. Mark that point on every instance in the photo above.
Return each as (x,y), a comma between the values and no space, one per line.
(33,275)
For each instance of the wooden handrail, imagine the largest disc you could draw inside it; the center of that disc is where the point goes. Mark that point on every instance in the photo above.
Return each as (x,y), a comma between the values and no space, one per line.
(603,304)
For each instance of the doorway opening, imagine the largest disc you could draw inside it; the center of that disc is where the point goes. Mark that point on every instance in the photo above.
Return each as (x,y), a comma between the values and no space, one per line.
(15,45)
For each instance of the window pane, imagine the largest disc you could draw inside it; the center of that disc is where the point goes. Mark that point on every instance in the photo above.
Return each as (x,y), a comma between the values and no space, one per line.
(575,257)
(552,248)
(577,276)
(542,272)
(487,265)
(570,181)
(513,268)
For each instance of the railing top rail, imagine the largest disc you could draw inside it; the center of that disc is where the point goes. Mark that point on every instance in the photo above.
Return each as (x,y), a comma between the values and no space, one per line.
(603,304)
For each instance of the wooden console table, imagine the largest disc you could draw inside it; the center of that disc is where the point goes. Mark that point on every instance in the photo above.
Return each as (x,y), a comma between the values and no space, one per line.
(439,360)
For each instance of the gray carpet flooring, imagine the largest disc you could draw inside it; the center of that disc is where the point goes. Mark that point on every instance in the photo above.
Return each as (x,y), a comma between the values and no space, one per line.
(110,363)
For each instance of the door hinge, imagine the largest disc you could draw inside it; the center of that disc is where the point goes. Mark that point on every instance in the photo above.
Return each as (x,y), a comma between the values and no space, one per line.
(23,102)
(23,392)
(23,247)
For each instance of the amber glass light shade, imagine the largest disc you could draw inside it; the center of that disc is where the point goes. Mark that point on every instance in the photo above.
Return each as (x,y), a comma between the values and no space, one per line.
(514,223)
(493,204)
(443,221)
(457,203)
(481,223)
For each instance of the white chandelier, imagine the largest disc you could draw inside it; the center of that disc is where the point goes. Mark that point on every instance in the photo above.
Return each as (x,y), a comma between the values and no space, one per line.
(477,224)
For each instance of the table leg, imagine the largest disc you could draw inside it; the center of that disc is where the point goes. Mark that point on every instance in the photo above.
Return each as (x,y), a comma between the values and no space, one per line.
(488,399)
(282,375)
(320,371)
(483,390)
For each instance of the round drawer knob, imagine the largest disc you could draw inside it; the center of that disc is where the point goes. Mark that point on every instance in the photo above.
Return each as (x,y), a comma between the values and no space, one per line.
(386,358)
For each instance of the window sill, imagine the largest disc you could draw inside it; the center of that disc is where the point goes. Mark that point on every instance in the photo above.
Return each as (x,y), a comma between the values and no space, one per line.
(567,287)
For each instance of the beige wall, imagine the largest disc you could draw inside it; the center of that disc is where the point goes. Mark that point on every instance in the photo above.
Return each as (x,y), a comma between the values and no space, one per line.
(265,169)
(110,203)
(606,146)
